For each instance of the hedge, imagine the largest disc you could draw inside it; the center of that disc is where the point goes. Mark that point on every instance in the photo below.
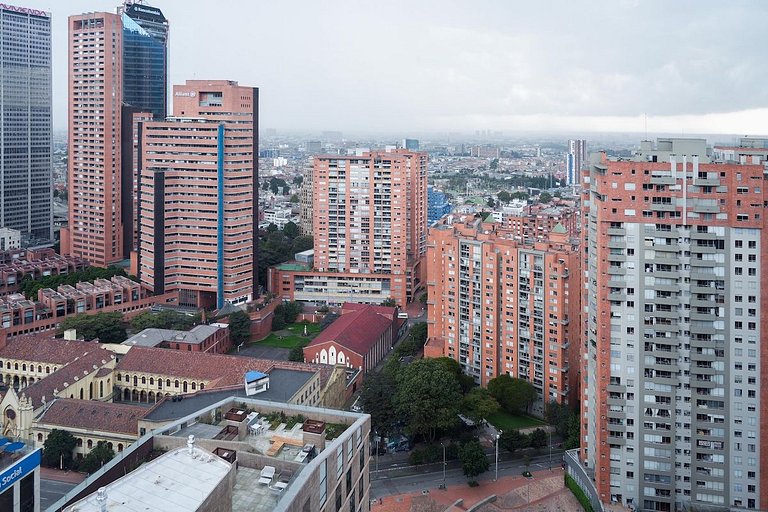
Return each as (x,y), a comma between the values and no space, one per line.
(576,490)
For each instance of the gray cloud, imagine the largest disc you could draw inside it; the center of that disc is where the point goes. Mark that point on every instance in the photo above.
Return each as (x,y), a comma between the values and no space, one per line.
(400,65)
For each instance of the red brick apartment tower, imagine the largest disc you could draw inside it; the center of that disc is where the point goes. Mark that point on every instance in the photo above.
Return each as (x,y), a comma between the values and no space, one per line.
(198,195)
(95,97)
(503,306)
(369,217)
(676,280)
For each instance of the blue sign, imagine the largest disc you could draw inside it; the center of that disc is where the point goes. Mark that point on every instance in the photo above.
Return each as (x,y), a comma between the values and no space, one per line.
(19,470)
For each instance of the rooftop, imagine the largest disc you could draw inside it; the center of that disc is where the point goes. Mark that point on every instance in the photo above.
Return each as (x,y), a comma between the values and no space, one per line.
(44,348)
(357,331)
(152,337)
(283,384)
(292,266)
(94,415)
(177,481)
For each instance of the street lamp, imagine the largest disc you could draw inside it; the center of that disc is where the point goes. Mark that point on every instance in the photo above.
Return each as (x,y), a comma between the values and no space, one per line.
(550,448)
(441,444)
(498,435)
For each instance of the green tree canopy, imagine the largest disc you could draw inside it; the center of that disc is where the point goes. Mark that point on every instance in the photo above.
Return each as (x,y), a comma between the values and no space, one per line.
(503,196)
(240,327)
(473,459)
(478,404)
(545,197)
(427,397)
(294,198)
(107,327)
(514,440)
(96,458)
(389,302)
(514,395)
(166,319)
(376,399)
(291,230)
(538,438)
(57,449)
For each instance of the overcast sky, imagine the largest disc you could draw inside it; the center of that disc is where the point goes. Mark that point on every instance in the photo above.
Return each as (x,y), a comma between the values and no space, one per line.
(443,65)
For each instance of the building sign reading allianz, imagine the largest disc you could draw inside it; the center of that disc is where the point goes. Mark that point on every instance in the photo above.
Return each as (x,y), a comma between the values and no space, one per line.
(185,94)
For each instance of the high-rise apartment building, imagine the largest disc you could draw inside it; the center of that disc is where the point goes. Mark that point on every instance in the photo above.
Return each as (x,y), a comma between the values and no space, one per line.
(574,159)
(95,229)
(117,76)
(305,201)
(369,227)
(499,305)
(675,317)
(25,116)
(198,204)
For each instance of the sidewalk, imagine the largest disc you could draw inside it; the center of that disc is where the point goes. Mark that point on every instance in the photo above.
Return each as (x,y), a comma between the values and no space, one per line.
(72,477)
(547,493)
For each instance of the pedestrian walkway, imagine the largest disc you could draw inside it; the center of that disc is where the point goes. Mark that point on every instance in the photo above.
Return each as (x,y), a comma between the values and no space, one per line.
(544,492)
(58,475)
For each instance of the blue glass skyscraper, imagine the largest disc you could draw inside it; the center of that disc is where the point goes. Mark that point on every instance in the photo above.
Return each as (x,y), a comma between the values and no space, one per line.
(145,59)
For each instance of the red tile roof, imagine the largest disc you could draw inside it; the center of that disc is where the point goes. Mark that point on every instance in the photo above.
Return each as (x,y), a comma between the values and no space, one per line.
(217,369)
(357,331)
(83,364)
(389,312)
(94,415)
(43,348)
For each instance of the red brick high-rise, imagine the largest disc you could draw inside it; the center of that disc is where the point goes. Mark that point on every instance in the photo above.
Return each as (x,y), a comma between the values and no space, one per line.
(198,204)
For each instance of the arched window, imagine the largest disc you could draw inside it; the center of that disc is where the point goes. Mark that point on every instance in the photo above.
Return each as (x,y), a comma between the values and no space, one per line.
(184,387)
(127,378)
(194,386)
(176,384)
(47,369)
(119,378)
(202,385)
(135,380)
(151,381)
(143,380)
(90,444)
(81,393)
(80,441)
(101,389)
(39,438)
(15,366)
(167,383)
(119,447)
(39,368)
(24,367)
(110,446)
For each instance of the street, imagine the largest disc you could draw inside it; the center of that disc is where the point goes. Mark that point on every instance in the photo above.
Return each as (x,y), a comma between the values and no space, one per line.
(52,490)
(399,478)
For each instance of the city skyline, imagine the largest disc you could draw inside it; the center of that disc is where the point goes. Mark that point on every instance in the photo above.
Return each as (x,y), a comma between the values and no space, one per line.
(662,68)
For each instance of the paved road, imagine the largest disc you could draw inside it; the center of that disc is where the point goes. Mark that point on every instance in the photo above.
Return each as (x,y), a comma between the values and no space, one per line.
(51,491)
(391,481)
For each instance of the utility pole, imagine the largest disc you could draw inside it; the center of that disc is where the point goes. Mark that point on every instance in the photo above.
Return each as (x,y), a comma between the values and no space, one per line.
(550,449)
(498,435)
(444,463)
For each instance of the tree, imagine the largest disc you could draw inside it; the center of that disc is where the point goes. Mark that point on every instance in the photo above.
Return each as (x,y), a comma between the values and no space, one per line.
(427,397)
(491,203)
(558,415)
(302,243)
(473,459)
(494,164)
(272,228)
(514,395)
(389,302)
(466,382)
(286,190)
(538,438)
(298,180)
(240,327)
(519,195)
(57,449)
(376,399)
(545,197)
(96,458)
(294,198)
(297,354)
(558,194)
(291,230)
(107,327)
(574,433)
(503,196)
(514,440)
(478,404)
(166,319)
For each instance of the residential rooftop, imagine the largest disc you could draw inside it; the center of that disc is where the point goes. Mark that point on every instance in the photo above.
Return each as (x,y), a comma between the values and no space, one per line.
(153,337)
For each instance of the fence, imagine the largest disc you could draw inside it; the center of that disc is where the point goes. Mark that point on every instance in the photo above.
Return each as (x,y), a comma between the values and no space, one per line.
(582,479)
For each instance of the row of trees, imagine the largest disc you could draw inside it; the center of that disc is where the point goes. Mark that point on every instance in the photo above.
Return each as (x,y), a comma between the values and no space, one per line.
(58,452)
(278,246)
(29,286)
(285,314)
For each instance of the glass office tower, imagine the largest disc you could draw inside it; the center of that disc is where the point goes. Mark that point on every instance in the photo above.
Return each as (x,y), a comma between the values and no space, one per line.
(145,59)
(25,123)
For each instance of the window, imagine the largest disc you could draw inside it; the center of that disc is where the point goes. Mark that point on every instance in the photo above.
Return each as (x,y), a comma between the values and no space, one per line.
(323,482)
(339,462)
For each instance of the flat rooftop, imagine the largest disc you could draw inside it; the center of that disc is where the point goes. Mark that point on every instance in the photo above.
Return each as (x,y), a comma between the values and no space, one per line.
(283,384)
(177,481)
(293,266)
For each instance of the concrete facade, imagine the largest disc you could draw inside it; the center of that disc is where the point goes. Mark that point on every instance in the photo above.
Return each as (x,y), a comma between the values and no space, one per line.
(673,399)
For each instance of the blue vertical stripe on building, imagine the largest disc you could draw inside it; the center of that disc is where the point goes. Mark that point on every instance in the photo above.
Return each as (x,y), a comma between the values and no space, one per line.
(220,221)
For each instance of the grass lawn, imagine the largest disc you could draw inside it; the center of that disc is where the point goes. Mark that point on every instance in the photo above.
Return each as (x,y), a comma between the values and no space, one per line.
(505,421)
(295,339)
